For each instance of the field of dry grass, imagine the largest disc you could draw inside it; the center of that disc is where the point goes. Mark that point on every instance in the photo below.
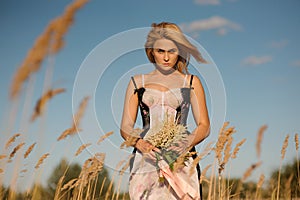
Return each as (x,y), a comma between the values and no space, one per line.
(215,177)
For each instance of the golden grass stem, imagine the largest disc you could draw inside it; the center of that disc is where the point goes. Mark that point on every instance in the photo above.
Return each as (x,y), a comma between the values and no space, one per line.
(260,133)
(283,151)
(297,160)
(102,186)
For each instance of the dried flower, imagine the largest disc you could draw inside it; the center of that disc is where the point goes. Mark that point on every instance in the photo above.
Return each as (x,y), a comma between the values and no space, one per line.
(166,134)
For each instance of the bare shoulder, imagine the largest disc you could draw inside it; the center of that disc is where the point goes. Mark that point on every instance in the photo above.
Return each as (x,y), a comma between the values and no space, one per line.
(138,80)
(196,80)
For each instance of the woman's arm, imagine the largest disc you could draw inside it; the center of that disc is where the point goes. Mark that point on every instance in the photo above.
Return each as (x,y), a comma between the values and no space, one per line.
(130,110)
(200,112)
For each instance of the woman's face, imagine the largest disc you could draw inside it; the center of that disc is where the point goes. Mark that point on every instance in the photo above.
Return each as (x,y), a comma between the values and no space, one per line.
(165,54)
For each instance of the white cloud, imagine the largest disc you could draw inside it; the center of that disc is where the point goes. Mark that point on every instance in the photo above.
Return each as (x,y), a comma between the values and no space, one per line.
(256,60)
(211,2)
(207,2)
(221,24)
(279,44)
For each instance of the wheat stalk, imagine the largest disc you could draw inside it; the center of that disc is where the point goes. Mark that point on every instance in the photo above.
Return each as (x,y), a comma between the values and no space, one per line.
(76,120)
(249,171)
(81,148)
(237,148)
(203,174)
(49,42)
(284,146)
(11,140)
(41,103)
(297,159)
(105,136)
(259,139)
(41,160)
(12,154)
(283,151)
(28,151)
(297,141)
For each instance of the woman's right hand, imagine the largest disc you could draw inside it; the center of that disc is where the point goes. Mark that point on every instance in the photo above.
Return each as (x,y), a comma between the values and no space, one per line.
(147,149)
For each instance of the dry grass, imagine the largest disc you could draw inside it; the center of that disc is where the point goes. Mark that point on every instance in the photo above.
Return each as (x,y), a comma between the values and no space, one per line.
(74,129)
(48,43)
(51,42)
(29,150)
(105,136)
(19,146)
(11,140)
(41,160)
(81,148)
(40,105)
(259,139)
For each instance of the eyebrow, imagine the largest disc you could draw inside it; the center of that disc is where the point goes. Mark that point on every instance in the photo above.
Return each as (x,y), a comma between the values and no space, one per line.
(173,49)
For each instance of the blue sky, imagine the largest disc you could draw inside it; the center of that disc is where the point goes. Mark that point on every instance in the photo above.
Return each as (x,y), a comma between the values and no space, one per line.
(253,44)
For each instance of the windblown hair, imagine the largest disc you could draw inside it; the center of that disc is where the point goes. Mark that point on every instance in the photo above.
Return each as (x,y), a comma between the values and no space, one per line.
(171,31)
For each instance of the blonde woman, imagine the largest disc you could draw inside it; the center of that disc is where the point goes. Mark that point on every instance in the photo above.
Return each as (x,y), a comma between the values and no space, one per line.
(166,92)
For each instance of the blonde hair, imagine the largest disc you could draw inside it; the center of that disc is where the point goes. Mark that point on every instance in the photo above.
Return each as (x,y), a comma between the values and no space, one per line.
(171,31)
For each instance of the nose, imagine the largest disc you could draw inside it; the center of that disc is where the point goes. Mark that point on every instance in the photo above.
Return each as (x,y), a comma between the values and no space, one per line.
(166,57)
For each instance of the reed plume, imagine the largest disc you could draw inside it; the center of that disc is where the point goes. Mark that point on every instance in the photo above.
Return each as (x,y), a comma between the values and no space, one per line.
(103,137)
(284,146)
(283,151)
(237,148)
(224,145)
(249,171)
(11,140)
(203,174)
(297,141)
(41,160)
(81,148)
(12,154)
(259,185)
(70,184)
(259,139)
(49,42)
(41,103)
(76,120)
(126,165)
(29,150)
(222,139)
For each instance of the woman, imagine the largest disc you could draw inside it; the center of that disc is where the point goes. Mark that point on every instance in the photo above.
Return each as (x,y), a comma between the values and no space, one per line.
(166,92)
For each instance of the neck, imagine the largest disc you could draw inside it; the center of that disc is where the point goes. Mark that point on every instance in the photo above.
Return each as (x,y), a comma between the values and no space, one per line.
(159,71)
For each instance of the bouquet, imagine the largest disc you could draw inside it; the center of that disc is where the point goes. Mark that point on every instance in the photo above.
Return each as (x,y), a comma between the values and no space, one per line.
(167,136)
